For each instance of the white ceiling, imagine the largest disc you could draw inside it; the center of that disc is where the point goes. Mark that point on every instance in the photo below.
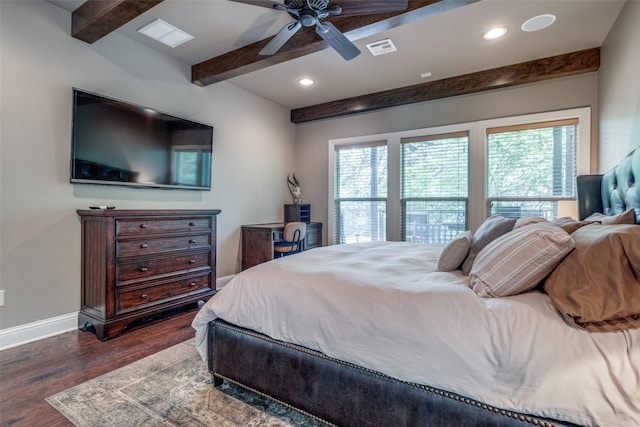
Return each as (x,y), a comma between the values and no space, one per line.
(446,45)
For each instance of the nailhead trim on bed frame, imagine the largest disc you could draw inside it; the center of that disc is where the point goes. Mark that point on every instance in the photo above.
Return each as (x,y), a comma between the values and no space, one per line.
(449,395)
(275,400)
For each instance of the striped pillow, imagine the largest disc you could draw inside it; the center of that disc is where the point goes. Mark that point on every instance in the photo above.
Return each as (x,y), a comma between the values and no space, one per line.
(492,228)
(517,261)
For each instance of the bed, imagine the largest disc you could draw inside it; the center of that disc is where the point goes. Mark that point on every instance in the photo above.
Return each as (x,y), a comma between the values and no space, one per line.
(371,334)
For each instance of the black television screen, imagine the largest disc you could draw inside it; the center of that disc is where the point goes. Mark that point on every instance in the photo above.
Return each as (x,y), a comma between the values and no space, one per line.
(118,143)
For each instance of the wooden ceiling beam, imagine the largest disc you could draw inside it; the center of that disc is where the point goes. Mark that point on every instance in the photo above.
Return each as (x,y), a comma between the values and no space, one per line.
(584,61)
(95,19)
(306,41)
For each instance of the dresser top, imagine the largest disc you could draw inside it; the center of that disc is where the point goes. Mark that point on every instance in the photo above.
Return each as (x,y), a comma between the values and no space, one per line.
(146,212)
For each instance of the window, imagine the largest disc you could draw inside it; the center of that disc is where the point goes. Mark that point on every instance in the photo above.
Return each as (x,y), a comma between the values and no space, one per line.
(360,192)
(427,185)
(531,167)
(434,187)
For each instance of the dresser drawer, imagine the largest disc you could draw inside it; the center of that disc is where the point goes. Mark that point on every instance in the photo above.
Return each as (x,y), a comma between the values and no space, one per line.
(160,293)
(141,269)
(137,247)
(153,225)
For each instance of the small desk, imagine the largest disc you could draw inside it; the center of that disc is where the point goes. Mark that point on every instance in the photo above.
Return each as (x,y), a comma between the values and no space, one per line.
(258,240)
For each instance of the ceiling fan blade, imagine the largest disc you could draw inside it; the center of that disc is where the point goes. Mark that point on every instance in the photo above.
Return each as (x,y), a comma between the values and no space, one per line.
(361,7)
(337,40)
(281,38)
(262,3)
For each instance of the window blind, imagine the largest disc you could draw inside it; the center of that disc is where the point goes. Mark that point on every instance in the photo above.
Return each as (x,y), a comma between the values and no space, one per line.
(360,190)
(531,167)
(434,187)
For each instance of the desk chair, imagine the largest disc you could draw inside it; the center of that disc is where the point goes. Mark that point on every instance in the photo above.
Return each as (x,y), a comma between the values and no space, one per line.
(293,237)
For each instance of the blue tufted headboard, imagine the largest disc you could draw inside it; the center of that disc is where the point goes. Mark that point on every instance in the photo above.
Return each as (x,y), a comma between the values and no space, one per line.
(613,192)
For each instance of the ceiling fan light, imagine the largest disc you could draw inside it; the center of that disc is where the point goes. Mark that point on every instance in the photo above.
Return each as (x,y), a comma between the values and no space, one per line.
(307,20)
(334,10)
(495,33)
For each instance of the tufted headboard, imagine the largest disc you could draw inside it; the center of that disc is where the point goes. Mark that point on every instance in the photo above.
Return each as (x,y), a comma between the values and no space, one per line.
(613,192)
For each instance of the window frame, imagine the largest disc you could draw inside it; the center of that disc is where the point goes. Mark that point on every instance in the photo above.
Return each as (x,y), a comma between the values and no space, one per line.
(408,199)
(490,200)
(477,201)
(332,202)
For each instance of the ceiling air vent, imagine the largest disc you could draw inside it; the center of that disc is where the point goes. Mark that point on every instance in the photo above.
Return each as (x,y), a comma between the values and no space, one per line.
(381,47)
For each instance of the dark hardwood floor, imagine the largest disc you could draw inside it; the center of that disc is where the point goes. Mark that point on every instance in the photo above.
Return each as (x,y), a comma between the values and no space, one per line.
(31,372)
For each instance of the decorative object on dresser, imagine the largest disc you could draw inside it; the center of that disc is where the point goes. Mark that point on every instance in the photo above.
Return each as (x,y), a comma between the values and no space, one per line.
(258,241)
(138,263)
(294,189)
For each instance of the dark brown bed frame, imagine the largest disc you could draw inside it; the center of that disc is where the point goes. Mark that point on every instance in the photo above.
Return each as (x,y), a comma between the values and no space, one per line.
(343,394)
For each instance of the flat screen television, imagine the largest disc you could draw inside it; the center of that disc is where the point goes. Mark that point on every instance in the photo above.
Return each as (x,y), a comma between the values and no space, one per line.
(118,143)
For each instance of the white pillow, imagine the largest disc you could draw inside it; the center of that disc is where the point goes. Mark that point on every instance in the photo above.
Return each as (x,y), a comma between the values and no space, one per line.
(454,252)
(517,261)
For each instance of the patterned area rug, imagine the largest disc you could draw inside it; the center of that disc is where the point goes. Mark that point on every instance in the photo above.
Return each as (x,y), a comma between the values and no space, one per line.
(169,388)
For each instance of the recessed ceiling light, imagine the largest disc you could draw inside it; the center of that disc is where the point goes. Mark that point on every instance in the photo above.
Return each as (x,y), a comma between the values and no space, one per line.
(306,81)
(538,23)
(165,33)
(494,33)
(426,75)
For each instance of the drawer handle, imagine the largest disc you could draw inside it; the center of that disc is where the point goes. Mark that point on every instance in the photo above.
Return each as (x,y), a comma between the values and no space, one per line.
(144,296)
(144,269)
(192,284)
(192,240)
(192,261)
(144,246)
(192,224)
(144,226)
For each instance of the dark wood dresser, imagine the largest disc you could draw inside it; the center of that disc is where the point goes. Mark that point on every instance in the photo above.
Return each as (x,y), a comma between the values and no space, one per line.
(139,263)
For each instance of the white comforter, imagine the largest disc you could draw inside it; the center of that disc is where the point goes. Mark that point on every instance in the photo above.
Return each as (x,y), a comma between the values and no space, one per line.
(381,305)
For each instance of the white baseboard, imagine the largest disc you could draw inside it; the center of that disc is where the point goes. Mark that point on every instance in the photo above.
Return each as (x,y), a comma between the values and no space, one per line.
(23,334)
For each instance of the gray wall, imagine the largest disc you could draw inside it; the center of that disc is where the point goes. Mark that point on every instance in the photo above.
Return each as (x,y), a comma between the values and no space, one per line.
(39,228)
(619,88)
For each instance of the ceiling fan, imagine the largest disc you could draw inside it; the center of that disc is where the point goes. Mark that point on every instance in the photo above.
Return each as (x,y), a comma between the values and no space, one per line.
(308,13)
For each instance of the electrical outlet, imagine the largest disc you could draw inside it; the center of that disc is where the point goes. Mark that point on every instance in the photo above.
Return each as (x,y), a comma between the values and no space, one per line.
(1,297)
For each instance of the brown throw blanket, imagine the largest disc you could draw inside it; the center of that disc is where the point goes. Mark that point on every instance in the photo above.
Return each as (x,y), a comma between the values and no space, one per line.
(597,286)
